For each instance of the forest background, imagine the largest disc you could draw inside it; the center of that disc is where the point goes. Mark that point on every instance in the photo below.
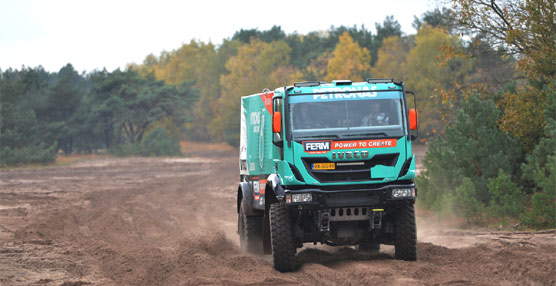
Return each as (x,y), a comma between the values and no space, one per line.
(483,71)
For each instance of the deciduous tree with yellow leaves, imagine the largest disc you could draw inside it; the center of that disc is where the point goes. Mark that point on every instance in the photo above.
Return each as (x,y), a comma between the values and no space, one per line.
(348,61)
(257,66)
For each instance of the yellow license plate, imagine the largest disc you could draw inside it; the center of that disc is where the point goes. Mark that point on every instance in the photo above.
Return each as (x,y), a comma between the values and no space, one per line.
(324,166)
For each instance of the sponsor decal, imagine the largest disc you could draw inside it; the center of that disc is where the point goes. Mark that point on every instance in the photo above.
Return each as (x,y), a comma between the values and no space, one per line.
(258,188)
(321,147)
(377,143)
(316,147)
(336,93)
(262,186)
(267,100)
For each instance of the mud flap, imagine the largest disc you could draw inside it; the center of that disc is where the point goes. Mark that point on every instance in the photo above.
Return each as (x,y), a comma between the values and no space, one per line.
(247,200)
(267,244)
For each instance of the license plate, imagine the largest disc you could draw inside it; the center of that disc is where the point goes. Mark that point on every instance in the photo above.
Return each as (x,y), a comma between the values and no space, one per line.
(324,166)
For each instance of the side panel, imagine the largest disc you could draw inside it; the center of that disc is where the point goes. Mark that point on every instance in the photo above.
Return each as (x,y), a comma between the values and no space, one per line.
(243,141)
(256,148)
(259,147)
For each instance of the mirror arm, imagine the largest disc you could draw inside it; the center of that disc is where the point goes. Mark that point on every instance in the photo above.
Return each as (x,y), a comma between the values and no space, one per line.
(414,136)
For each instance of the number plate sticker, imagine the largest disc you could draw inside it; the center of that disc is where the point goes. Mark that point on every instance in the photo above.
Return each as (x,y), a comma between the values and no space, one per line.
(324,166)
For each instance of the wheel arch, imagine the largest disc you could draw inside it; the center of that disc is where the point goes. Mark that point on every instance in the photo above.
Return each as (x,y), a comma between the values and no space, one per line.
(245,196)
(274,192)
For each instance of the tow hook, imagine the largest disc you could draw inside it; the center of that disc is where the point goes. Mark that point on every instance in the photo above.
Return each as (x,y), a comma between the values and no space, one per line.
(325,221)
(375,221)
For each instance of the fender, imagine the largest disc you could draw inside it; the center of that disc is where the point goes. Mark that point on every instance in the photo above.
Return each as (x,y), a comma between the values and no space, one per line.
(277,189)
(245,195)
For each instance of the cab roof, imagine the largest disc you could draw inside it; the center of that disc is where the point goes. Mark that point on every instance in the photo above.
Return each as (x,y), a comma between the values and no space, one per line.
(309,87)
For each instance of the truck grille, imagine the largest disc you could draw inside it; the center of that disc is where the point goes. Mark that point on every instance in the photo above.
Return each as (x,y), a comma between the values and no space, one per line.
(348,170)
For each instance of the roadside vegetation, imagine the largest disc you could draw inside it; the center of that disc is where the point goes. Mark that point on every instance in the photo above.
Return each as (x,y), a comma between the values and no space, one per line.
(483,72)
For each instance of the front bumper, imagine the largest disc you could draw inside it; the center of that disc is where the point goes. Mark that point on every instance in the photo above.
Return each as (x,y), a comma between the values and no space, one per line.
(368,195)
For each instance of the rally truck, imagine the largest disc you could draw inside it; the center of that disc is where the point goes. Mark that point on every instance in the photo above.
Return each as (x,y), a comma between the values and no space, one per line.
(327,163)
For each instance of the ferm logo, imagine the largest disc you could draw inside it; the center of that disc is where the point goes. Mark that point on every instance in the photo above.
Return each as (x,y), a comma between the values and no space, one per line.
(315,147)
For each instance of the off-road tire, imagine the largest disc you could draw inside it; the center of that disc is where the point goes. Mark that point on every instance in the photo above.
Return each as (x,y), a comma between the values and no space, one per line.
(283,242)
(405,237)
(250,230)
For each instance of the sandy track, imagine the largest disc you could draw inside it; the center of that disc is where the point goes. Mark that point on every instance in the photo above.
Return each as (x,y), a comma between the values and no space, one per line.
(162,221)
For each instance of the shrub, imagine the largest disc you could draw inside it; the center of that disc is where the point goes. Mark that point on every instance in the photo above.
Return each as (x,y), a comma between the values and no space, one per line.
(158,143)
(126,149)
(539,171)
(507,200)
(28,154)
(471,147)
(466,203)
(542,213)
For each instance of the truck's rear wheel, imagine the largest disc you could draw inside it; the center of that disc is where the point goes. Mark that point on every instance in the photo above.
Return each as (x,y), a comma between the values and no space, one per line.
(283,242)
(250,232)
(406,233)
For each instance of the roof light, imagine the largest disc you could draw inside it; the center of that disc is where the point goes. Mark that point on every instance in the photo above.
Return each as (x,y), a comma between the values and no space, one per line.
(308,83)
(380,80)
(341,82)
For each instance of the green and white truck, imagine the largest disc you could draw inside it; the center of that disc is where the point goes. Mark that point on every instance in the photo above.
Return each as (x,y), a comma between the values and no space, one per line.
(327,163)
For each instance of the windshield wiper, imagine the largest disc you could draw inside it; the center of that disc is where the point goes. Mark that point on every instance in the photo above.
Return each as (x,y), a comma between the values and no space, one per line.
(367,134)
(322,136)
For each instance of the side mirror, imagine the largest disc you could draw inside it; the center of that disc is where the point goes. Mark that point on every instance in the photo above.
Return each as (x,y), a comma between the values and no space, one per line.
(413,119)
(277,122)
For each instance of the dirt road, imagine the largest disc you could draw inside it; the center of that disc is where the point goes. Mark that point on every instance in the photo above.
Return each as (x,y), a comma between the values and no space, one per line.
(172,221)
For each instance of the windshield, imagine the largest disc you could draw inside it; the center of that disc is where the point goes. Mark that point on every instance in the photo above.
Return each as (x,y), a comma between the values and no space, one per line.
(368,118)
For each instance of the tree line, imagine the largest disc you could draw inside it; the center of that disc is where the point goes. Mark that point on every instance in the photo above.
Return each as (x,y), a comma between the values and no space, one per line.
(494,161)
(483,72)
(45,113)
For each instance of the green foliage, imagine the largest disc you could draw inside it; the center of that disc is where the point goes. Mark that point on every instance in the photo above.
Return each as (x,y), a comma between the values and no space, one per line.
(28,154)
(24,136)
(507,200)
(542,213)
(540,170)
(389,27)
(126,149)
(159,143)
(156,143)
(125,104)
(274,34)
(546,147)
(44,112)
(434,18)
(63,99)
(471,147)
(466,203)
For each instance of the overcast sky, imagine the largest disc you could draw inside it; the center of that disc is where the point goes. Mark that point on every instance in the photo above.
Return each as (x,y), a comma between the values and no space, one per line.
(112,33)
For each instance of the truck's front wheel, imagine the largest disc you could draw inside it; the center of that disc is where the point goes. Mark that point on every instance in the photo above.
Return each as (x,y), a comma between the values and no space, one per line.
(406,233)
(250,232)
(283,241)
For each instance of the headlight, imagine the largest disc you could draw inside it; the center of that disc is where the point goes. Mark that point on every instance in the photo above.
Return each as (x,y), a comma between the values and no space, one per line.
(403,193)
(299,198)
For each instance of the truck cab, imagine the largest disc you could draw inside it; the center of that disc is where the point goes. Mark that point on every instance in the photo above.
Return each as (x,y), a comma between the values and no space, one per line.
(327,163)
